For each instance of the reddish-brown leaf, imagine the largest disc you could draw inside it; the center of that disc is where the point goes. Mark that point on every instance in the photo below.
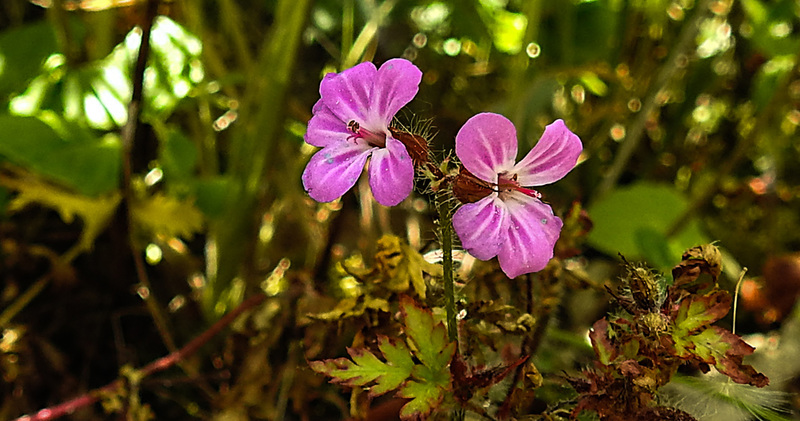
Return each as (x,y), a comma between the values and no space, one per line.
(602,344)
(696,261)
(730,363)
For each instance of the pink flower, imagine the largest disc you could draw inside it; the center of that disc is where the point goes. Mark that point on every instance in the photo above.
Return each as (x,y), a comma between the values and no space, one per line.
(351,123)
(504,218)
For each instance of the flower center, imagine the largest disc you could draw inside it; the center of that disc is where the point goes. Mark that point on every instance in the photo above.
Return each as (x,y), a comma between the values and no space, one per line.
(372,138)
(507,183)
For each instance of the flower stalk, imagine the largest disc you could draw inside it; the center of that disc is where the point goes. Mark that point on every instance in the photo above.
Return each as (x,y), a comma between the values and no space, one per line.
(446,238)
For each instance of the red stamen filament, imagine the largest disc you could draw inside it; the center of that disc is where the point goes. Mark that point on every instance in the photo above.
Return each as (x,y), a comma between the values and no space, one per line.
(505,185)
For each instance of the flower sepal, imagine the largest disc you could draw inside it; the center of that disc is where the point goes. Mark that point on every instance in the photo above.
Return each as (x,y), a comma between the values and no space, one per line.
(468,188)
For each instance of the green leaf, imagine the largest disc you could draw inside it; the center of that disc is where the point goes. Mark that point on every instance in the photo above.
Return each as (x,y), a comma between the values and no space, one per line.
(596,36)
(95,212)
(465,19)
(365,367)
(594,84)
(175,60)
(508,30)
(23,50)
(755,10)
(213,193)
(165,215)
(425,336)
(764,20)
(432,348)
(424,399)
(352,307)
(425,384)
(62,151)
(708,345)
(631,220)
(178,154)
(401,265)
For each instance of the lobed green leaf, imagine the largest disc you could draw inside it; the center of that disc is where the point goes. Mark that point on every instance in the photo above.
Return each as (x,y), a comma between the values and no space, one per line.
(428,338)
(365,367)
(424,397)
(425,384)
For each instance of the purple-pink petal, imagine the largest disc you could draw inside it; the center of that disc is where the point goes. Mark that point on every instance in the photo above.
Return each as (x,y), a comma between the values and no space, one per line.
(335,169)
(487,145)
(325,128)
(532,233)
(347,94)
(396,85)
(391,173)
(552,158)
(482,226)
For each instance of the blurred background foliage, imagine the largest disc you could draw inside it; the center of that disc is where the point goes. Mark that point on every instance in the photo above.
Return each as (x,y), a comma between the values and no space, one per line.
(119,241)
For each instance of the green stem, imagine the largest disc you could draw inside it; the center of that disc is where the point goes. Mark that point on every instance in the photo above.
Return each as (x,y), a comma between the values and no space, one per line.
(23,300)
(446,238)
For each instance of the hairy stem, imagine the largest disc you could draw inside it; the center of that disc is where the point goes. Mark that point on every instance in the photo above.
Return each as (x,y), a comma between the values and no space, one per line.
(446,238)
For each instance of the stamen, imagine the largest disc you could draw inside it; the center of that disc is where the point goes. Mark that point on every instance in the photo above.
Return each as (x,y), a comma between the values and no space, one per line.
(511,183)
(353,126)
(373,139)
(530,192)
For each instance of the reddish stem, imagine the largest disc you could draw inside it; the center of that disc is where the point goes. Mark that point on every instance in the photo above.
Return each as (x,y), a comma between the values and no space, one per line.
(163,363)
